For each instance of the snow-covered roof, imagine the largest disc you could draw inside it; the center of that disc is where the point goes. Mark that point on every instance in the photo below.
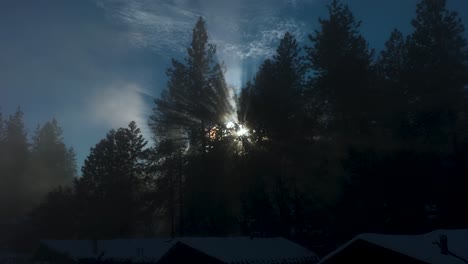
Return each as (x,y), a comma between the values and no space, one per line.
(136,250)
(422,247)
(232,250)
(235,250)
(13,257)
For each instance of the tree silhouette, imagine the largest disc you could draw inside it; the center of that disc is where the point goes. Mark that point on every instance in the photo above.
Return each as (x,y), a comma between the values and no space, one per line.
(196,102)
(52,164)
(437,58)
(170,179)
(340,60)
(335,144)
(196,98)
(56,216)
(392,91)
(15,157)
(276,94)
(112,177)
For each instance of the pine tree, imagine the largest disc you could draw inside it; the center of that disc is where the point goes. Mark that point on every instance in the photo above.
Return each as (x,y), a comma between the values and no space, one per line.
(196,98)
(339,58)
(2,128)
(56,216)
(3,178)
(438,66)
(275,113)
(15,155)
(2,145)
(196,102)
(340,95)
(111,181)
(392,60)
(276,106)
(255,106)
(392,107)
(52,164)
(170,183)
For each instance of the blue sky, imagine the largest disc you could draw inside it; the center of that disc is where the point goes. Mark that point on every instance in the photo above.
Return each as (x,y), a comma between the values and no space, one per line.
(98,64)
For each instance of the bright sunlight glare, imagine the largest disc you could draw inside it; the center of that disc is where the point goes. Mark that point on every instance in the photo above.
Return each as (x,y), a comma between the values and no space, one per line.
(229,125)
(242,131)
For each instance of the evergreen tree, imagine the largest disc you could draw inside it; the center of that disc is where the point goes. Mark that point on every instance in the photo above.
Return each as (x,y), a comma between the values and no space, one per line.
(339,59)
(275,110)
(2,128)
(27,174)
(438,61)
(112,177)
(253,105)
(56,216)
(169,188)
(2,145)
(192,112)
(258,215)
(15,156)
(3,177)
(52,164)
(392,60)
(196,98)
(437,58)
(392,107)
(340,95)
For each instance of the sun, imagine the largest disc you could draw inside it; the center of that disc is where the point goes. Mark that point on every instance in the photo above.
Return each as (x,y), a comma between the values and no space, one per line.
(242,131)
(231,128)
(230,125)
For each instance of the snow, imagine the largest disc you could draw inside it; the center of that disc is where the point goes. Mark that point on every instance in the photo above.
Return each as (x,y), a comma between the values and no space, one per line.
(136,250)
(231,250)
(421,247)
(257,250)
(12,257)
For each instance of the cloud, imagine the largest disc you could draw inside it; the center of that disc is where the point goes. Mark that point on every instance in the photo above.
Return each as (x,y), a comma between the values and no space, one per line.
(117,105)
(244,31)
(262,43)
(160,25)
(247,29)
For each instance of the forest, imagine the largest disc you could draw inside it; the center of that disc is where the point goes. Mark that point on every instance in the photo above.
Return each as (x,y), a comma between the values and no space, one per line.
(327,141)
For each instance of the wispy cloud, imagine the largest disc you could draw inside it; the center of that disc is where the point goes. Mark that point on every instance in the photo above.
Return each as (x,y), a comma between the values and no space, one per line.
(262,43)
(160,25)
(246,29)
(117,105)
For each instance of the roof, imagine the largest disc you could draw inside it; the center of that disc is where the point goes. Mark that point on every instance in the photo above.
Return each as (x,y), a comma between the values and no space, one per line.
(136,250)
(246,250)
(13,257)
(421,247)
(231,250)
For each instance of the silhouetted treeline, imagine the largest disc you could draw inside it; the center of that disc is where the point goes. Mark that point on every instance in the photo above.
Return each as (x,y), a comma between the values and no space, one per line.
(328,140)
(29,169)
(340,138)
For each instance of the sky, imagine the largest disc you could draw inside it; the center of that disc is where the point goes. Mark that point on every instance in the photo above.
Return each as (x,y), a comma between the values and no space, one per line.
(95,65)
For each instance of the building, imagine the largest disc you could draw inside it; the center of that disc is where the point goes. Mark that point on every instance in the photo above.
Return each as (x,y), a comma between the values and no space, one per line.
(238,250)
(437,247)
(10,257)
(108,251)
(215,250)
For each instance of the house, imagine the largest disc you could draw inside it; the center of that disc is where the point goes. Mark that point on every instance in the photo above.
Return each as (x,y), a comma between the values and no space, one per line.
(108,251)
(437,247)
(215,250)
(238,250)
(10,257)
